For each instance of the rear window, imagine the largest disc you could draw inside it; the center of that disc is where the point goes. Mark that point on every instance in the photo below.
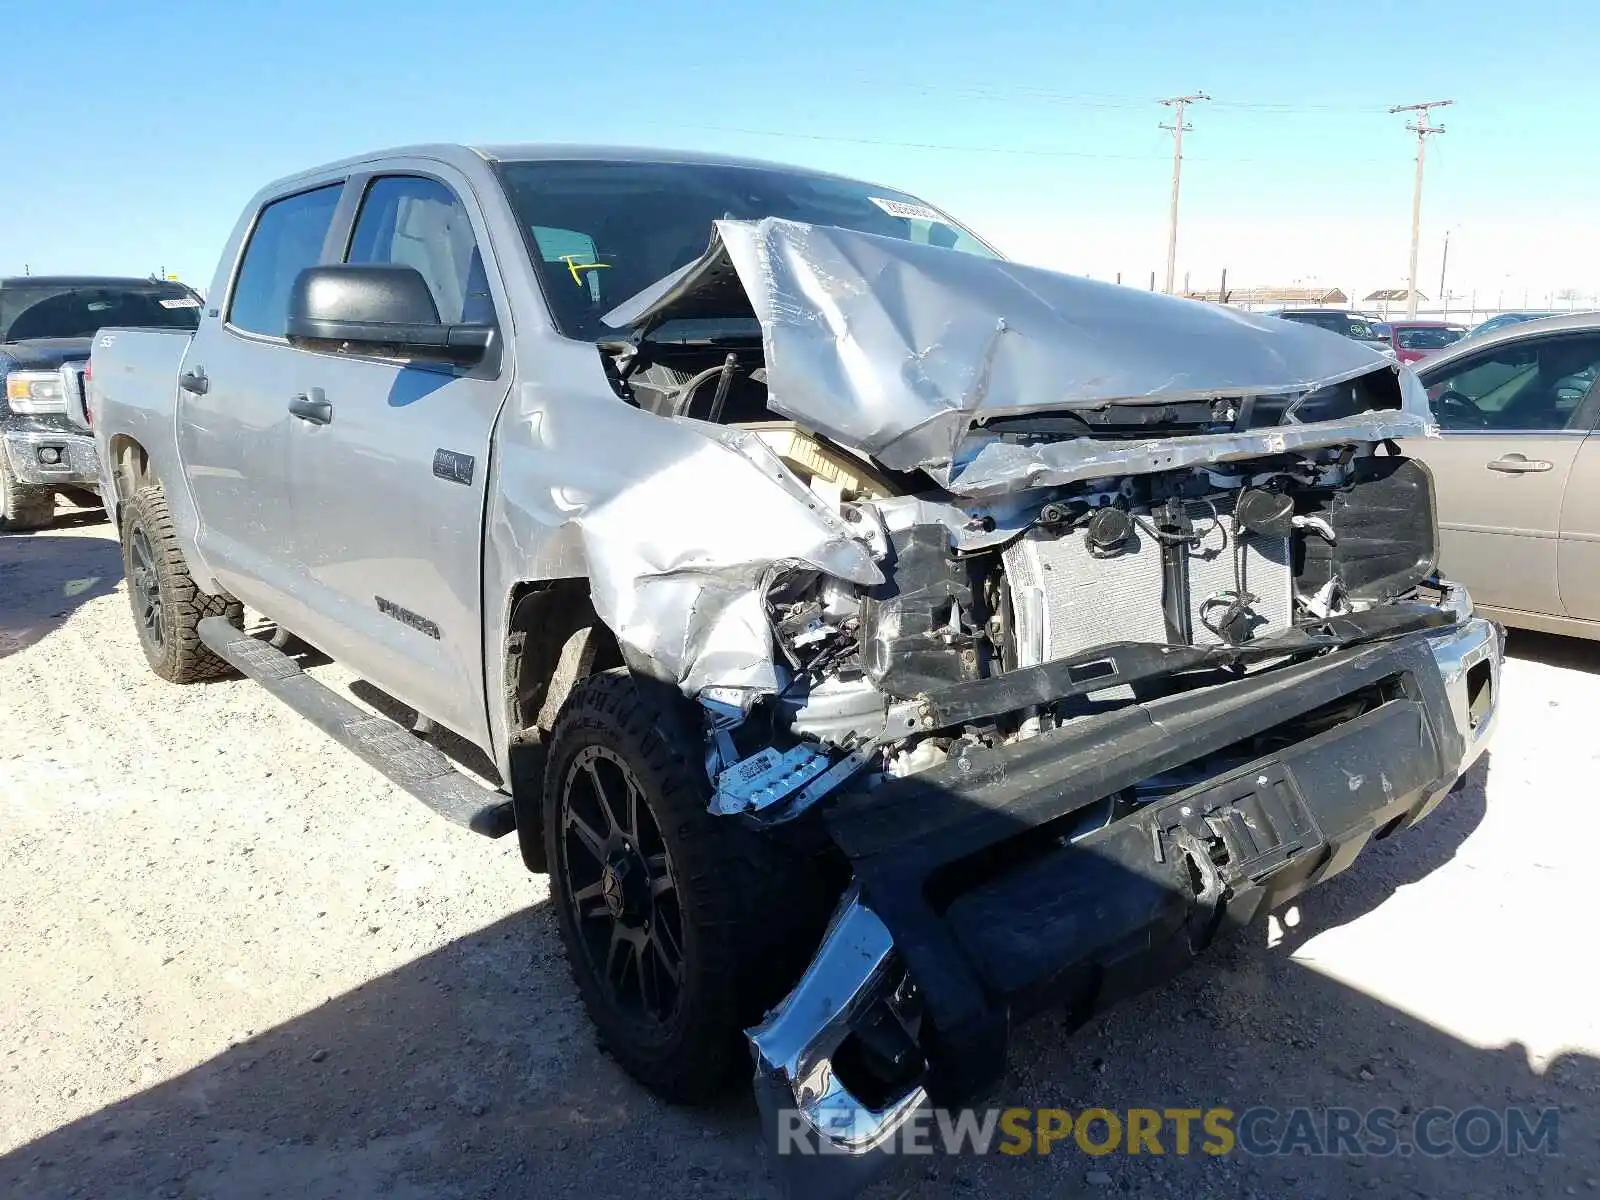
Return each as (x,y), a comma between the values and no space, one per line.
(65,310)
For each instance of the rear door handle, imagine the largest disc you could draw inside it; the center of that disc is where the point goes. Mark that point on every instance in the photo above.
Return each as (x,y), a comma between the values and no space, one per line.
(195,381)
(312,406)
(1516,464)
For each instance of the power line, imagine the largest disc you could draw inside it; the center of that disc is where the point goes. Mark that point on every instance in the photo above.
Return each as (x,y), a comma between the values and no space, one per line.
(859,141)
(1178,127)
(989,91)
(1023,151)
(1422,129)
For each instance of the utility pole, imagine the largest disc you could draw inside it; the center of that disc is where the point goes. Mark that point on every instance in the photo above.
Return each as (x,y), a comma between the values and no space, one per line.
(1422,129)
(1444,261)
(1178,127)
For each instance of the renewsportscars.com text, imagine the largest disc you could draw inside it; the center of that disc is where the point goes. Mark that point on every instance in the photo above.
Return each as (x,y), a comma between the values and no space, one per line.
(1263,1131)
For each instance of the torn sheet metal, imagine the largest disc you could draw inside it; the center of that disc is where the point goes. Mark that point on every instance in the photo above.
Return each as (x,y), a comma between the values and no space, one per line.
(998,467)
(898,349)
(683,528)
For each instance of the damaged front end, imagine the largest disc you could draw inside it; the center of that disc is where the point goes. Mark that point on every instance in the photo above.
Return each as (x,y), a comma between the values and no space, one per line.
(1085,623)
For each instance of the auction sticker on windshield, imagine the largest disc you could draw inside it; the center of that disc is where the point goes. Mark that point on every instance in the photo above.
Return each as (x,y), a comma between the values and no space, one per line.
(911,212)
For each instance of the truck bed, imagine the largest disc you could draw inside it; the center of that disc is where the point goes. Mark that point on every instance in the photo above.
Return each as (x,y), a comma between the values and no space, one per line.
(134,392)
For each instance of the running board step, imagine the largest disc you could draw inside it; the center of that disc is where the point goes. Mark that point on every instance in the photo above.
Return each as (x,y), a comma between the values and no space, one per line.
(401,757)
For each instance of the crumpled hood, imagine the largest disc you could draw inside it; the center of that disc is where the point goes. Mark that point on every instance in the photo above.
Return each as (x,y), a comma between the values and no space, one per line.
(44,354)
(898,349)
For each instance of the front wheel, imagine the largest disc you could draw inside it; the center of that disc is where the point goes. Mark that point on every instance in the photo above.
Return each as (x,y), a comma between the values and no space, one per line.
(167,606)
(681,928)
(23,506)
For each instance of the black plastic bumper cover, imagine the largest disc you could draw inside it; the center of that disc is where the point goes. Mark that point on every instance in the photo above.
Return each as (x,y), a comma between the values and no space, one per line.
(1085,923)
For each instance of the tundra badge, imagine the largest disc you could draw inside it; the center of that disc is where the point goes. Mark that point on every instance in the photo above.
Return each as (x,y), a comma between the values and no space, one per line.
(453,465)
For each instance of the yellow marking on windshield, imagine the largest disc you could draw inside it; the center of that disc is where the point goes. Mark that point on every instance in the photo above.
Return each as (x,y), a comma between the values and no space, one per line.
(574,266)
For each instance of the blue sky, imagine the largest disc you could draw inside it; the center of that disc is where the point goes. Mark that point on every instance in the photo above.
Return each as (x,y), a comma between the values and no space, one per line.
(135,132)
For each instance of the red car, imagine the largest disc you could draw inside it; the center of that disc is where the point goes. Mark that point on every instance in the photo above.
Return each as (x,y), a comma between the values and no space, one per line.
(1418,339)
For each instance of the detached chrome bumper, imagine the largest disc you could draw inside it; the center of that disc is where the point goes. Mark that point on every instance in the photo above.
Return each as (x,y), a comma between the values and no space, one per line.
(47,458)
(1116,912)
(807,1111)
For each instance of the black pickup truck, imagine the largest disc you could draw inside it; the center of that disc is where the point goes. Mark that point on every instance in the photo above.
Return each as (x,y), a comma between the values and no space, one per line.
(47,326)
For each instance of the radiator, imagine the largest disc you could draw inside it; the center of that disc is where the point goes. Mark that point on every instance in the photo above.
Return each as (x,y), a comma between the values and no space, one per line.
(1064,600)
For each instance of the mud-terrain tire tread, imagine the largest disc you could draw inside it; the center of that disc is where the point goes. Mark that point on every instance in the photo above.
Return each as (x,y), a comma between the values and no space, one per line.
(753,908)
(25,505)
(185,658)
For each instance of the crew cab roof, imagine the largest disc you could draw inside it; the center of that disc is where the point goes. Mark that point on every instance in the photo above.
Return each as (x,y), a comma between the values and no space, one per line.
(463,156)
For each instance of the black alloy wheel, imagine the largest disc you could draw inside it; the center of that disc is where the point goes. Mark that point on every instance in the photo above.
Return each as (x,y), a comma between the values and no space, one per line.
(622,894)
(144,586)
(681,926)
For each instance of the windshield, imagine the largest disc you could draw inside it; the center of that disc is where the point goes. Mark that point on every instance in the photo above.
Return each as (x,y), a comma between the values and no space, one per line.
(599,232)
(29,312)
(1427,339)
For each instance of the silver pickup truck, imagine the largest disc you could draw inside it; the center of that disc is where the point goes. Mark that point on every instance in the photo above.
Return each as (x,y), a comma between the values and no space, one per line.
(877,640)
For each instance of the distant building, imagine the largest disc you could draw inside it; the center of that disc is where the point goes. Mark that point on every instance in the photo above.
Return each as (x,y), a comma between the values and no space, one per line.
(1390,296)
(1294,296)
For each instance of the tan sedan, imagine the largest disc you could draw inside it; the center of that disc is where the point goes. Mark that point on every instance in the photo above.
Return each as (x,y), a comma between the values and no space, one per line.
(1517,471)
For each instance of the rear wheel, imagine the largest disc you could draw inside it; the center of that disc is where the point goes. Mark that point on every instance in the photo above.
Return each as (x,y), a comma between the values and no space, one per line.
(167,606)
(681,928)
(23,506)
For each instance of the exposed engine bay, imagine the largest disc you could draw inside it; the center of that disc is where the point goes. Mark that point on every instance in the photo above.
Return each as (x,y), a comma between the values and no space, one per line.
(1299,511)
(902,676)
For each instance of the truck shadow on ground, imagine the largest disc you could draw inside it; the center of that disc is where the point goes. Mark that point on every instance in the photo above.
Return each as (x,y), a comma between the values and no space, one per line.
(453,746)
(44,577)
(1578,654)
(471,1072)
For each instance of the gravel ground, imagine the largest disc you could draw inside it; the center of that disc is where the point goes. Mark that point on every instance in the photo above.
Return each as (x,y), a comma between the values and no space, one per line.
(236,962)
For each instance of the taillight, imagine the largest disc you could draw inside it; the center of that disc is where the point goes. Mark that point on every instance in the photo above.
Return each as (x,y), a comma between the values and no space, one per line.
(88,374)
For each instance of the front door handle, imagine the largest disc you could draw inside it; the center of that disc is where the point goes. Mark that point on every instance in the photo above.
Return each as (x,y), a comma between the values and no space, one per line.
(1516,464)
(195,381)
(312,406)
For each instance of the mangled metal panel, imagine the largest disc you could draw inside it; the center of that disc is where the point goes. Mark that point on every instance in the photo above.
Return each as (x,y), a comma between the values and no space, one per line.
(900,349)
(683,525)
(993,466)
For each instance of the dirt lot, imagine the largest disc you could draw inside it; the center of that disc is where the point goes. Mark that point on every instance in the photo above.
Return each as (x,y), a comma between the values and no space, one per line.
(235,962)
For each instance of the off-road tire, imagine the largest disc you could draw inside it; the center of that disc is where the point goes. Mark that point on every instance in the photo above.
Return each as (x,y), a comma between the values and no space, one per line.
(23,506)
(752,908)
(159,580)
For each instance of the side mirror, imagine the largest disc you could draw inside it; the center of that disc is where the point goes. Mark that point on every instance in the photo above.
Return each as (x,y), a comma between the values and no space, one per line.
(382,310)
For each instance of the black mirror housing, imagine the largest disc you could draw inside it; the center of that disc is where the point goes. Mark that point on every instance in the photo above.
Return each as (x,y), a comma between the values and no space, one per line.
(382,310)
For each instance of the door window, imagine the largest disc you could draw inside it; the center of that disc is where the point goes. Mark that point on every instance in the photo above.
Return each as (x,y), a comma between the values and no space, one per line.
(415,222)
(1525,386)
(287,239)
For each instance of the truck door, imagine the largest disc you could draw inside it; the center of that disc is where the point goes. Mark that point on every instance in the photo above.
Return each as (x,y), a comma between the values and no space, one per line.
(1512,420)
(233,427)
(389,490)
